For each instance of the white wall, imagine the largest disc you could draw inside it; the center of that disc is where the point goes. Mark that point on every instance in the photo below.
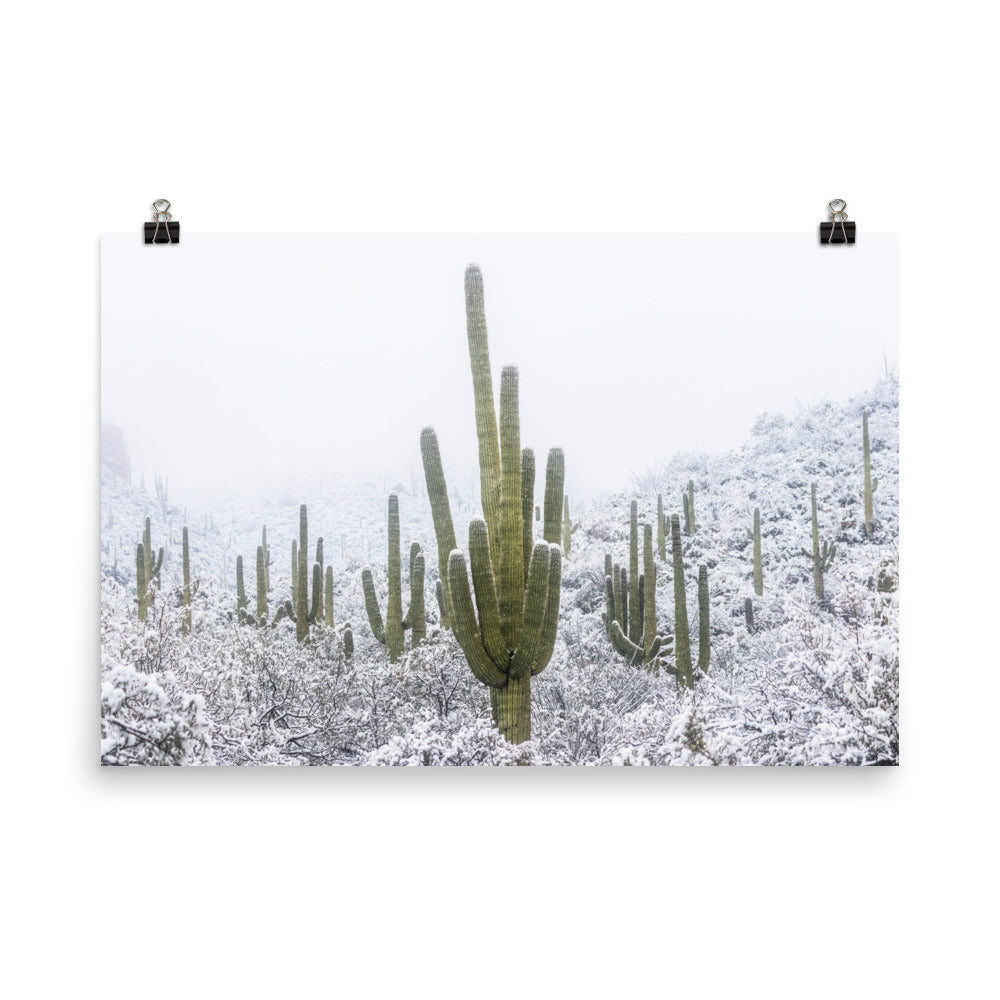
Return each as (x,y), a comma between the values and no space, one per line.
(641,117)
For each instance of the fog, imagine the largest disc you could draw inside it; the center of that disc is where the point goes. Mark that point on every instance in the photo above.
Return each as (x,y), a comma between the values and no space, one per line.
(244,363)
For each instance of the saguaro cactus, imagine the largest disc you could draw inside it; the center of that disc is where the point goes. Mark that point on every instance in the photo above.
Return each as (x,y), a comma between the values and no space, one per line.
(303,611)
(682,634)
(390,633)
(688,498)
(748,613)
(568,528)
(650,646)
(186,561)
(821,555)
(509,634)
(661,529)
(241,592)
(758,567)
(871,485)
(704,624)
(147,570)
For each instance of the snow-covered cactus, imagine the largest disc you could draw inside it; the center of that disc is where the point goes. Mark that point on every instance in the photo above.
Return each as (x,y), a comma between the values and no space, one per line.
(758,567)
(150,571)
(634,587)
(267,558)
(568,528)
(302,609)
(509,634)
(688,498)
(661,529)
(704,623)
(328,598)
(186,598)
(390,633)
(871,485)
(682,635)
(748,613)
(262,581)
(241,591)
(822,553)
(348,642)
(650,646)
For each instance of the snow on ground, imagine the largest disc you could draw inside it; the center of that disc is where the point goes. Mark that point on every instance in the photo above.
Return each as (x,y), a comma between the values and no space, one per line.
(811,685)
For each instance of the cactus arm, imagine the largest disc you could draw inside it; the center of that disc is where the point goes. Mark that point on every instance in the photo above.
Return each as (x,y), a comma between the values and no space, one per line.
(622,603)
(609,603)
(555,479)
(157,564)
(550,626)
(407,618)
(568,528)
(482,388)
(487,603)
(444,528)
(661,533)
(511,568)
(535,605)
(371,605)
(439,594)
(328,597)
(465,626)
(317,594)
(623,645)
(527,502)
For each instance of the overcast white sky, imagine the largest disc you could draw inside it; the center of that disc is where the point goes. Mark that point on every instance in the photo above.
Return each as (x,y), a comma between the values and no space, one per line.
(233,363)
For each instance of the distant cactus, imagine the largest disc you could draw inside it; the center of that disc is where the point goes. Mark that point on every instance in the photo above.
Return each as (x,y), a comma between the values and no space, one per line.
(748,613)
(682,635)
(704,623)
(758,568)
(328,598)
(650,646)
(186,562)
(390,633)
(348,642)
(241,592)
(661,529)
(267,558)
(634,588)
(568,528)
(821,555)
(301,609)
(147,572)
(871,485)
(688,498)
(261,584)
(509,633)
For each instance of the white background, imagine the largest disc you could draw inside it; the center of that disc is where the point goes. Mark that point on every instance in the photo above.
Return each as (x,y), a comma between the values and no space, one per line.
(709,117)
(629,348)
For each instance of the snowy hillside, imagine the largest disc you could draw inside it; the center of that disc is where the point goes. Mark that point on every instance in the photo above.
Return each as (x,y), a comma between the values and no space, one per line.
(811,684)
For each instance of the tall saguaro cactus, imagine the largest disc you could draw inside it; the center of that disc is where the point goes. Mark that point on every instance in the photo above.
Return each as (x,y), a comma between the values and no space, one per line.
(704,624)
(661,529)
(682,634)
(301,609)
(758,567)
(822,554)
(508,634)
(390,633)
(871,485)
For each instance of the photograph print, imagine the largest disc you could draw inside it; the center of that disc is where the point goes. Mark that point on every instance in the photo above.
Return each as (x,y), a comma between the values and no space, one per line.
(499,500)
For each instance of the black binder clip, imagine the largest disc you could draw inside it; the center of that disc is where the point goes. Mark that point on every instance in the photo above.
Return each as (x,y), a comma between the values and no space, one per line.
(161,229)
(838,229)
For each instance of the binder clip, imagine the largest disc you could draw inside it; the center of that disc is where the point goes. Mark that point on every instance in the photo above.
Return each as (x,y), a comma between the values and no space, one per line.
(838,229)
(161,229)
